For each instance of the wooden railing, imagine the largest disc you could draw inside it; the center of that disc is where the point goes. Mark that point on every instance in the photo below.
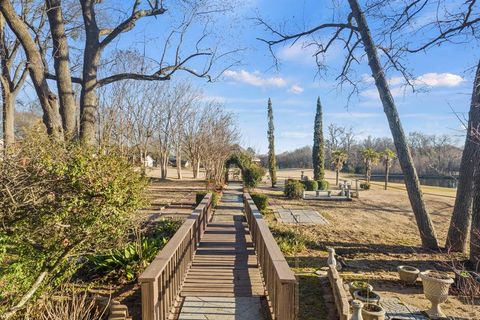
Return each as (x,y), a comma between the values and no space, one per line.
(280,282)
(162,280)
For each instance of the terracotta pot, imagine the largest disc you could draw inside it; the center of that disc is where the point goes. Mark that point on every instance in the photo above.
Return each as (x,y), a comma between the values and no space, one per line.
(358,285)
(366,296)
(435,287)
(372,311)
(408,274)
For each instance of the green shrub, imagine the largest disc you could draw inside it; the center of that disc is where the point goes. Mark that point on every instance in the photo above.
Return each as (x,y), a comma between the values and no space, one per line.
(293,189)
(365,185)
(311,185)
(323,185)
(201,194)
(253,175)
(166,228)
(288,241)
(261,200)
(58,201)
(215,199)
(127,263)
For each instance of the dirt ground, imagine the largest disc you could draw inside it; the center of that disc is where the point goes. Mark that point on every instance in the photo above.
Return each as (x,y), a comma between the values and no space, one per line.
(374,234)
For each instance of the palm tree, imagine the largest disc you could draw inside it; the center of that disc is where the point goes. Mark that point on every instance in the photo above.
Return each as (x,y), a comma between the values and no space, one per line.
(338,159)
(387,157)
(371,157)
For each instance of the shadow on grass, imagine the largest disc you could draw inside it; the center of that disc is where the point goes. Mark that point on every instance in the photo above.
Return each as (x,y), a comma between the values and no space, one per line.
(312,304)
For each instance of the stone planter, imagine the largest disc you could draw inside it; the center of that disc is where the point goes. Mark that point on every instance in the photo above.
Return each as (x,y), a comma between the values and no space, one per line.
(435,287)
(408,274)
(366,296)
(372,311)
(358,285)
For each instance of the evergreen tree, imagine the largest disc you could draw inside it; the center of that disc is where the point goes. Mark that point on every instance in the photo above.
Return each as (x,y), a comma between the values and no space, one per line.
(318,151)
(271,146)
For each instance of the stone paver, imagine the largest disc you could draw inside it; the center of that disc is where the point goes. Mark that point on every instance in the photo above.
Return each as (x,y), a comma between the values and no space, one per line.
(395,309)
(221,308)
(303,216)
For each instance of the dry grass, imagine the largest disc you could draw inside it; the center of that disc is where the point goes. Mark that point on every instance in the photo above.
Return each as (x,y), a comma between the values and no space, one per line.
(375,234)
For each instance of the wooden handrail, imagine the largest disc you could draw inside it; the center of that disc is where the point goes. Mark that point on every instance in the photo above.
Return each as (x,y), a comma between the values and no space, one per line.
(280,282)
(162,280)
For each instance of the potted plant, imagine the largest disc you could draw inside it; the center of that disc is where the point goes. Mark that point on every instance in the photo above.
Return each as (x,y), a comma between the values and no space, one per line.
(435,287)
(408,274)
(358,285)
(367,296)
(372,311)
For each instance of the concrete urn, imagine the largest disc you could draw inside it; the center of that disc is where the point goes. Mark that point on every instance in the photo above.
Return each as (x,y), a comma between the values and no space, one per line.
(435,287)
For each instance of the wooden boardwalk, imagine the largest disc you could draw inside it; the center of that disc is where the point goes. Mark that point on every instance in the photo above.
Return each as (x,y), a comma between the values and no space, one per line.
(222,267)
(224,280)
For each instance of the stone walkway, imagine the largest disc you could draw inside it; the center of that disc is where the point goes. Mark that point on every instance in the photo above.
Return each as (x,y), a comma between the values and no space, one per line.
(302,216)
(224,281)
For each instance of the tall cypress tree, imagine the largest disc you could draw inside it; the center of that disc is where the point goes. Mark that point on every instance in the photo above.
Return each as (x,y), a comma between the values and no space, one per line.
(318,151)
(271,146)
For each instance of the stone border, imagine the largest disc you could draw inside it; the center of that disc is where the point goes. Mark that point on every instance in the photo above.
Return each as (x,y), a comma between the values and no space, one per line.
(339,293)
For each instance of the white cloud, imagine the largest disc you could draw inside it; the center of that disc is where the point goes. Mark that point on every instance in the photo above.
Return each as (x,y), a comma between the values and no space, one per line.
(295,89)
(296,52)
(434,79)
(398,85)
(255,78)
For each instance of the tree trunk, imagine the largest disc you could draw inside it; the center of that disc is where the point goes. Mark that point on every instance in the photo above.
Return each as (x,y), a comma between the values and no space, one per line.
(387,169)
(8,119)
(91,59)
(48,101)
(336,177)
(462,211)
(194,168)
(427,231)
(179,166)
(62,67)
(475,230)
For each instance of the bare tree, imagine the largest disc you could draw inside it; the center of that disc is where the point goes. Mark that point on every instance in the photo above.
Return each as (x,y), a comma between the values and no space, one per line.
(445,23)
(61,58)
(12,76)
(36,68)
(353,33)
(97,39)
(219,134)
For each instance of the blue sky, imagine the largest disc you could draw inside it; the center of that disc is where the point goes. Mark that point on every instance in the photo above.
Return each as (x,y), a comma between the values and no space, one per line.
(445,72)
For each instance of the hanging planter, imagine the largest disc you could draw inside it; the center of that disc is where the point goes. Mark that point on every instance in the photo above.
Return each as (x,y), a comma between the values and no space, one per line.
(408,274)
(435,287)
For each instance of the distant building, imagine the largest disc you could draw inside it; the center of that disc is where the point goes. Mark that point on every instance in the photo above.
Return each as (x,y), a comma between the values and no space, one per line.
(148,162)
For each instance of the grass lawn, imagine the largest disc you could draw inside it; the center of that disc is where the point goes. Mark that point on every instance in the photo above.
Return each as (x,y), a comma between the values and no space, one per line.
(373,234)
